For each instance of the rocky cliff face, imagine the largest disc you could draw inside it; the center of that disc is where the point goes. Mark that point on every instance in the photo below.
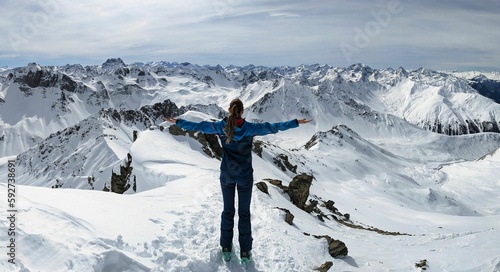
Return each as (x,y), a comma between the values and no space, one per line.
(487,87)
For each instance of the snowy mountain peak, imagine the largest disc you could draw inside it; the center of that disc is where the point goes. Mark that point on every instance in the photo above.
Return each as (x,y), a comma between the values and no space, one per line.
(402,72)
(480,78)
(113,63)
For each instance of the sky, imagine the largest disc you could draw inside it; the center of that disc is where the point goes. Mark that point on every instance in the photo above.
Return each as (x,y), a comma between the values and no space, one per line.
(441,35)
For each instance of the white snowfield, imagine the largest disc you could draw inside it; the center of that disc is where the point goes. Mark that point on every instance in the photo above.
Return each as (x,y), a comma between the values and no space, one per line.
(174,226)
(441,192)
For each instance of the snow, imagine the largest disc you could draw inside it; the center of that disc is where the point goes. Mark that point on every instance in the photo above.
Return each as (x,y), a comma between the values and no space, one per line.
(384,171)
(173,223)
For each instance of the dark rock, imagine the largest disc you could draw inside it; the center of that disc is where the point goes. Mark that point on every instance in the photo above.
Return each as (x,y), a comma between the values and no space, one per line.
(298,190)
(68,83)
(91,181)
(276,182)
(347,216)
(177,131)
(210,143)
(159,111)
(329,205)
(282,162)
(214,145)
(325,267)
(422,264)
(288,215)
(58,184)
(134,135)
(262,186)
(309,208)
(257,147)
(289,218)
(120,183)
(336,248)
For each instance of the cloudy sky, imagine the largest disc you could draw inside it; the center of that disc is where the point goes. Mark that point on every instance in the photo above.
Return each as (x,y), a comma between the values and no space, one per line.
(444,34)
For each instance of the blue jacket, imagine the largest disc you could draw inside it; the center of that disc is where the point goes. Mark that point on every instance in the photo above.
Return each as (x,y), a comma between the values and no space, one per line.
(237,155)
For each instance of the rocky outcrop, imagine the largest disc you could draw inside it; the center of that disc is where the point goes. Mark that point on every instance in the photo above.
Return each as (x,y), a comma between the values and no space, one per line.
(120,182)
(158,111)
(45,77)
(324,267)
(288,215)
(257,147)
(309,208)
(284,164)
(422,264)
(277,183)
(262,186)
(298,189)
(209,142)
(468,127)
(336,248)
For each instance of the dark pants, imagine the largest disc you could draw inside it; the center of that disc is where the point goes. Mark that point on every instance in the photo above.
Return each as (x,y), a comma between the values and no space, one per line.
(244,187)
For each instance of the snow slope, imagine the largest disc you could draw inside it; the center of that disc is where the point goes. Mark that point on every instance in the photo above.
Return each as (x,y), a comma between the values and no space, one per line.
(174,225)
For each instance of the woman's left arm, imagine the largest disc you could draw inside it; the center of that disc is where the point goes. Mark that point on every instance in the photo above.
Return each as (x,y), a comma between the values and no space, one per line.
(270,128)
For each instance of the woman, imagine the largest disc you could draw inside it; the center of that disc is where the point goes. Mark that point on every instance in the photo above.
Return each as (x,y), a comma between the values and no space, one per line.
(236,170)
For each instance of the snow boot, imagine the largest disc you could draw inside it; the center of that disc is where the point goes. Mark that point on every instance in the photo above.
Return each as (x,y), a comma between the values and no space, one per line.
(245,258)
(226,253)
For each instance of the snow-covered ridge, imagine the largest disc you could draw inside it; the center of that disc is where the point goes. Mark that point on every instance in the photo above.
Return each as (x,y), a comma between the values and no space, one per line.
(93,147)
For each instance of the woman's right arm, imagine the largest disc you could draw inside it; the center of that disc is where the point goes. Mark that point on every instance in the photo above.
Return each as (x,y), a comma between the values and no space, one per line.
(203,126)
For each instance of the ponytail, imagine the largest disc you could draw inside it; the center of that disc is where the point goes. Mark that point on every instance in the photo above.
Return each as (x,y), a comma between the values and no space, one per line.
(235,111)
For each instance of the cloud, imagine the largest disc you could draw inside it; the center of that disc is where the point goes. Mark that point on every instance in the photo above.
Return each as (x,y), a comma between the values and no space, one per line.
(283,14)
(9,56)
(261,32)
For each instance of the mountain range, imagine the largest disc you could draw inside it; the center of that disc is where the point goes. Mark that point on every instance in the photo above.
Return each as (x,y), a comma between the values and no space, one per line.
(381,138)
